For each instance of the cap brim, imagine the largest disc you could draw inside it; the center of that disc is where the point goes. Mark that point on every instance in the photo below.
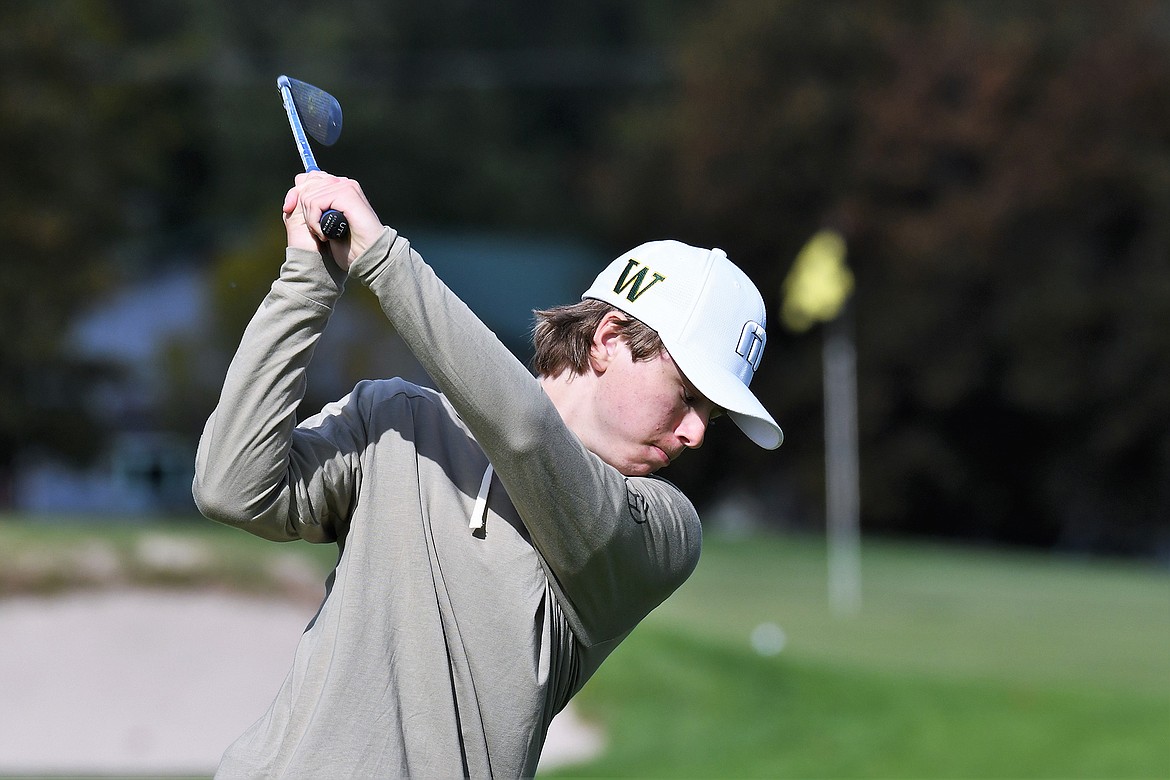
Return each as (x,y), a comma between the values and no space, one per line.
(727,391)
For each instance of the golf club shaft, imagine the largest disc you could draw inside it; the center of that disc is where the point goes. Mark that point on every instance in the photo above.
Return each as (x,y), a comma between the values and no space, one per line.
(333,222)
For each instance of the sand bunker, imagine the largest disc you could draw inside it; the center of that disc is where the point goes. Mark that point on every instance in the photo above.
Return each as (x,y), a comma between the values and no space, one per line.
(156,682)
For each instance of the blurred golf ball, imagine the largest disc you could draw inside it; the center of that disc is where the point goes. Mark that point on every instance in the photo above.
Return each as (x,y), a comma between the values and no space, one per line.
(768,639)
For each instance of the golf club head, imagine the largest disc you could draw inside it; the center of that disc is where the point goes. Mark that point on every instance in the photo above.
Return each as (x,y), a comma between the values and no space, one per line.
(317,113)
(320,112)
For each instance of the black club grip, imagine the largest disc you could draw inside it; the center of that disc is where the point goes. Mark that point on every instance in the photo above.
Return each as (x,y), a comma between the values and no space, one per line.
(334,225)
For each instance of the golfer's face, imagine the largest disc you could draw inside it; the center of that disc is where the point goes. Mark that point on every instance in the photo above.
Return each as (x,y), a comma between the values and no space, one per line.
(648,413)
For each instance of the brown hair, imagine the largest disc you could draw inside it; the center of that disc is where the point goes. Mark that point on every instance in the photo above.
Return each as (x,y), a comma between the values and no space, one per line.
(563,335)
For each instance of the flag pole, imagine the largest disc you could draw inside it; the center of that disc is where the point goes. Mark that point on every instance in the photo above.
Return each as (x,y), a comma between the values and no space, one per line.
(842,474)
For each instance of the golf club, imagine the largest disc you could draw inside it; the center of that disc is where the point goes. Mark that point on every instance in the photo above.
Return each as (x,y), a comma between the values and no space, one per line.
(321,116)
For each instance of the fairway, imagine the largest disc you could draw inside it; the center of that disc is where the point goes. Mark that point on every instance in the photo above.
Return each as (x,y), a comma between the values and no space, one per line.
(1001,616)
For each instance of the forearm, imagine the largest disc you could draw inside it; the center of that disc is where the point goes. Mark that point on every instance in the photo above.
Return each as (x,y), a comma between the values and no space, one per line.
(242,464)
(493,392)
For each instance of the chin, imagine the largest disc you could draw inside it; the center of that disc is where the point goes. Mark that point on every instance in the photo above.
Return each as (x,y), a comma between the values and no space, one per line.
(638,470)
(628,469)
(631,468)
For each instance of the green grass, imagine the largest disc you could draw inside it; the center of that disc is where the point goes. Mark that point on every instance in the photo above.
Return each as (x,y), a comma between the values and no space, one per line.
(961,664)
(1023,617)
(675,706)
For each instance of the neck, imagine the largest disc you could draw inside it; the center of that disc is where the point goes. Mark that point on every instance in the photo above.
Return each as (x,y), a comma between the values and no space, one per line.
(569,394)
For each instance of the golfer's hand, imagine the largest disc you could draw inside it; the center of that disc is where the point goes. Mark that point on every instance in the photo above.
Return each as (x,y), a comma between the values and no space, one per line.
(314,194)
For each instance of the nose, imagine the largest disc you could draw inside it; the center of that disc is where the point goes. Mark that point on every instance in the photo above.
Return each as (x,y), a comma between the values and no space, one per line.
(692,428)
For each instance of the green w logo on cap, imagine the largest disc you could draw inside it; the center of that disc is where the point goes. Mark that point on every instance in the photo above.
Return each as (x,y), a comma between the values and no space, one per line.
(637,283)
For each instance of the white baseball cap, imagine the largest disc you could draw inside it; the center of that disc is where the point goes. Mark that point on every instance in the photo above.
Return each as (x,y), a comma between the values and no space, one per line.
(710,318)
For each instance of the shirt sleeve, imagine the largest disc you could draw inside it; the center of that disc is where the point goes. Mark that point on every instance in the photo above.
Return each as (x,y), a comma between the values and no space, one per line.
(254,468)
(613,547)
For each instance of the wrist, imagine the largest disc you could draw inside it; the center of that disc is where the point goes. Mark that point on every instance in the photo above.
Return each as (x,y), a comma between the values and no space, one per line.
(370,262)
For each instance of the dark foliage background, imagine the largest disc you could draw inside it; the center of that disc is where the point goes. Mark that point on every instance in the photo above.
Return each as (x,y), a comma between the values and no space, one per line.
(1001,171)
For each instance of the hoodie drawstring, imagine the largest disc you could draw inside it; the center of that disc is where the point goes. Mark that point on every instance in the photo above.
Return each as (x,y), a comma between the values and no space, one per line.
(479,512)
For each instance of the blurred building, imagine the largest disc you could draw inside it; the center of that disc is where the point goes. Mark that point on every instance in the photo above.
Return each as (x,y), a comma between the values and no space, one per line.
(148,464)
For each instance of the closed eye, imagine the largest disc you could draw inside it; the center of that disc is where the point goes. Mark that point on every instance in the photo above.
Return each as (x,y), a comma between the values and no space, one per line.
(694,399)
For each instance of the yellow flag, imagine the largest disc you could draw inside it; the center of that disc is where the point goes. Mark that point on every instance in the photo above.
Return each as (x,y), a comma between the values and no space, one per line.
(819,283)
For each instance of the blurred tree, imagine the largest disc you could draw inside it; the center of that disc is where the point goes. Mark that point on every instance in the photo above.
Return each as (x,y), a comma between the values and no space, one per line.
(1001,172)
(58,205)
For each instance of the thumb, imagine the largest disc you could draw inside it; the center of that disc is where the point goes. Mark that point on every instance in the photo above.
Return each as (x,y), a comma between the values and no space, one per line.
(299,235)
(290,201)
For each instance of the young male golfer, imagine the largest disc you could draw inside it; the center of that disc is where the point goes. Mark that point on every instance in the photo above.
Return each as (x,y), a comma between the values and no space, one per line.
(498,538)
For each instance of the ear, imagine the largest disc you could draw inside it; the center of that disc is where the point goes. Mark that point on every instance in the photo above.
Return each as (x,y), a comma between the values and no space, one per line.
(606,342)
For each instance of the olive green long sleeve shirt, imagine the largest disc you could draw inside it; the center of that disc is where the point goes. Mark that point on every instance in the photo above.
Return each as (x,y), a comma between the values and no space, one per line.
(441,648)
